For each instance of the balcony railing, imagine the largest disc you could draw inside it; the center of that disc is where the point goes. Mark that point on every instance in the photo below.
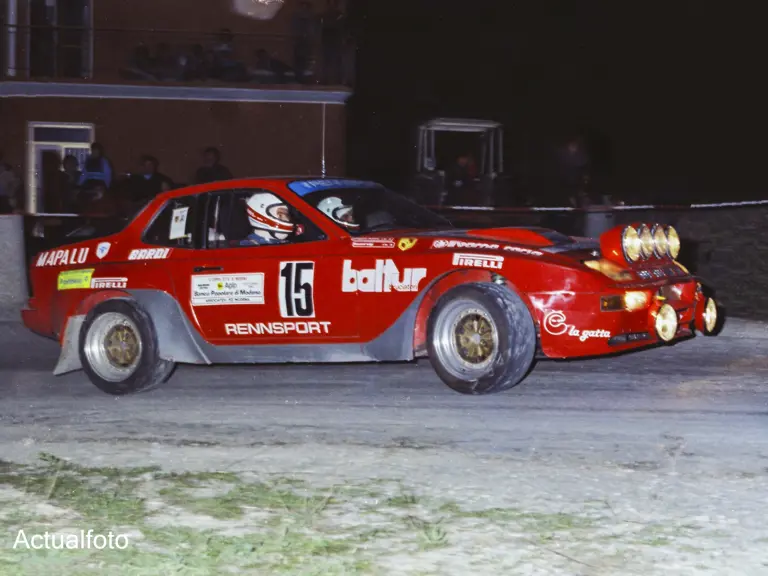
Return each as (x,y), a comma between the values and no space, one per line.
(64,53)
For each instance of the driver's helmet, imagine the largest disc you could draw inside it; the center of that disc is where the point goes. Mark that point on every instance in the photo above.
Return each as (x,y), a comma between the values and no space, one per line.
(268,213)
(339,212)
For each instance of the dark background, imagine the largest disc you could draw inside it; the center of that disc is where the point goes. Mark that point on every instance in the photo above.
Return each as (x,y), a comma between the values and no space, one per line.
(666,93)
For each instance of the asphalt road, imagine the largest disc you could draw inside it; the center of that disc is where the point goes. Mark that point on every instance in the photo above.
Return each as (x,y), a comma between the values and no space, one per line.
(703,402)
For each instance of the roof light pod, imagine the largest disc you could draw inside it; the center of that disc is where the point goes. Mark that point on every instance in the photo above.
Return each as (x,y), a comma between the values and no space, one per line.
(630,244)
(646,241)
(673,242)
(660,242)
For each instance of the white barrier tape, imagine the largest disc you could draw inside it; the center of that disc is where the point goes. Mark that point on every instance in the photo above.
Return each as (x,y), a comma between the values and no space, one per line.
(598,209)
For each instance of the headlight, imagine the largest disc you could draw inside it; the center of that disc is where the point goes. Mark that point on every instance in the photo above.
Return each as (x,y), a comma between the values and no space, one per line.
(630,243)
(635,300)
(608,268)
(666,322)
(673,241)
(660,241)
(646,241)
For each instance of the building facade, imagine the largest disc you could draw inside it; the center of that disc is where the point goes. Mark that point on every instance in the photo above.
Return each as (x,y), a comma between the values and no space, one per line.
(169,79)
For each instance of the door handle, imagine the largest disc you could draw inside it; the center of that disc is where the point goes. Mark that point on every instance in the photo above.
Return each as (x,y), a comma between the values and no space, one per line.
(208,268)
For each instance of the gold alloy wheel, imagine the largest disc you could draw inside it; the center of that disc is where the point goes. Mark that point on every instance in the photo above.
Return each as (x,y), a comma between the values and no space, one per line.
(113,346)
(474,338)
(121,345)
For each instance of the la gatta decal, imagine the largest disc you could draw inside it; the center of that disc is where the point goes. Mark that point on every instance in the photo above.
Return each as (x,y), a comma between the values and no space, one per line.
(555,323)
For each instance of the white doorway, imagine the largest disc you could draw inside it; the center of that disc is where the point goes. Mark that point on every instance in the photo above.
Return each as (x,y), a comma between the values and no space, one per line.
(47,145)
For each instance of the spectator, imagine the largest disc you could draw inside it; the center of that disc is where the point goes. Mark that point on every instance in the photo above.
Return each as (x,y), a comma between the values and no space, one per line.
(149,182)
(212,170)
(69,183)
(304,27)
(95,201)
(97,166)
(333,40)
(194,65)
(574,171)
(226,68)
(9,189)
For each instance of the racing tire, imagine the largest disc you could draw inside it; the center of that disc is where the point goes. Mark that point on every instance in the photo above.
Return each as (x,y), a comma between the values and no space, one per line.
(481,338)
(119,351)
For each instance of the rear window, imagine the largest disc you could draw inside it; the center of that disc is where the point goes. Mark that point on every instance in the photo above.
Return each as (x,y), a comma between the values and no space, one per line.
(175,224)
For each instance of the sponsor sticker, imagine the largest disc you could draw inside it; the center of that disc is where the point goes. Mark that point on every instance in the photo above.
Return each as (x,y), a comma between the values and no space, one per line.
(74,279)
(464,244)
(102,249)
(373,243)
(555,323)
(406,243)
(521,250)
(178,223)
(100,283)
(278,328)
(385,276)
(227,289)
(149,254)
(478,261)
(66,257)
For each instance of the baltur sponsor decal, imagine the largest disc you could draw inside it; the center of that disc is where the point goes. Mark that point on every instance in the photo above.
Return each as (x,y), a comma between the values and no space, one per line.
(385,276)
(555,323)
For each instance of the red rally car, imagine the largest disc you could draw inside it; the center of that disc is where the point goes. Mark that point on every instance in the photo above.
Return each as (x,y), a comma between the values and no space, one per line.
(339,270)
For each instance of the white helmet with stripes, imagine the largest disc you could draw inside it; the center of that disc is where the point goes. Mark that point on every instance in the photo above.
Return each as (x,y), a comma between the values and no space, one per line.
(266,212)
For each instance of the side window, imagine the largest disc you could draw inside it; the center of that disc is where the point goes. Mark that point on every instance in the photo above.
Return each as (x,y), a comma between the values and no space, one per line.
(175,224)
(244,218)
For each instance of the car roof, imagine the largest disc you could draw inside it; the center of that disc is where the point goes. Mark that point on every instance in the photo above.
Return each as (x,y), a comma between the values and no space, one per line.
(299,185)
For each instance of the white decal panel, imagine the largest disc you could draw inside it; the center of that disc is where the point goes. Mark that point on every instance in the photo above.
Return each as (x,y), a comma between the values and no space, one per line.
(227,289)
(150,254)
(555,323)
(296,289)
(384,277)
(63,257)
(478,261)
(279,328)
(178,223)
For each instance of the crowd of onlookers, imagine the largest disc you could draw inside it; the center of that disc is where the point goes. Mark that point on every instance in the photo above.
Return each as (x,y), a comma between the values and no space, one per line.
(94,188)
(320,50)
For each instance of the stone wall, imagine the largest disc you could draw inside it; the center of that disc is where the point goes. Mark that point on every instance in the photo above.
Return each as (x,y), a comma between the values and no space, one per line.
(727,247)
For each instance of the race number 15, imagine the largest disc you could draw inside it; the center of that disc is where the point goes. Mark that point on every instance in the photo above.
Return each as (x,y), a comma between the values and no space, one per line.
(297,280)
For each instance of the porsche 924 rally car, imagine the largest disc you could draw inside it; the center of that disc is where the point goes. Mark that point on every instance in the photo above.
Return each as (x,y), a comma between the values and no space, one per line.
(339,270)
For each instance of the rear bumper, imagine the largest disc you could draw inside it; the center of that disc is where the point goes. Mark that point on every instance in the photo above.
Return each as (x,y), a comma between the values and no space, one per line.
(34,321)
(573,325)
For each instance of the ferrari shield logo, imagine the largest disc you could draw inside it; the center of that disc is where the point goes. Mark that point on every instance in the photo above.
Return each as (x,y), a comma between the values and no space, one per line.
(406,243)
(102,249)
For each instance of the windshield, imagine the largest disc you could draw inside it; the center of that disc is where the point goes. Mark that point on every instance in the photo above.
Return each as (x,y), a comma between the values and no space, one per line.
(365,210)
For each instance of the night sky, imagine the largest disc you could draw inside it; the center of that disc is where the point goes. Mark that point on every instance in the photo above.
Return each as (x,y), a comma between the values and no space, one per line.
(642,80)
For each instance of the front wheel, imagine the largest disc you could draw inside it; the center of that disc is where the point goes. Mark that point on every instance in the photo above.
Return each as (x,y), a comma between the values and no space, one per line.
(481,338)
(118,349)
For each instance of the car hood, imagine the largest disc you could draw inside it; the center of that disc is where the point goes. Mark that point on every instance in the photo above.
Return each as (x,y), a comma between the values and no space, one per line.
(533,241)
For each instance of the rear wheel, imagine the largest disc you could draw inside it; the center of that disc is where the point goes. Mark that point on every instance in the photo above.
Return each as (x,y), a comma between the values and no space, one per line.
(481,338)
(118,349)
